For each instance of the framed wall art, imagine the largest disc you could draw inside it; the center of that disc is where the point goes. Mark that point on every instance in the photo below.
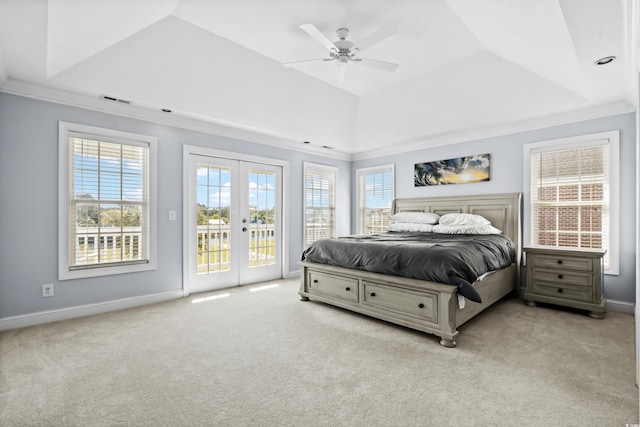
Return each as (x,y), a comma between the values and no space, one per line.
(462,170)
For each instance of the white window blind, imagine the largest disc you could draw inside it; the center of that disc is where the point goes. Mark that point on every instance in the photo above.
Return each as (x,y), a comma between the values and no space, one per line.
(319,196)
(571,192)
(106,202)
(375,195)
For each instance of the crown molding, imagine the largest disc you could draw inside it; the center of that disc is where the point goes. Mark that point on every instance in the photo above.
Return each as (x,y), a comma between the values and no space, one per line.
(569,117)
(234,131)
(189,122)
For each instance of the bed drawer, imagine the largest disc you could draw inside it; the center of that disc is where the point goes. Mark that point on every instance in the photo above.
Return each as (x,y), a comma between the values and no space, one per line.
(415,304)
(336,286)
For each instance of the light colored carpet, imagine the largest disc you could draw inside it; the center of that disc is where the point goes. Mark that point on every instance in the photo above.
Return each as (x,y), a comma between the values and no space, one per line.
(263,358)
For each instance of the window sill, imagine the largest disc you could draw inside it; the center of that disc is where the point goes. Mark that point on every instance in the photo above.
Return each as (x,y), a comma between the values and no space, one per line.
(65,274)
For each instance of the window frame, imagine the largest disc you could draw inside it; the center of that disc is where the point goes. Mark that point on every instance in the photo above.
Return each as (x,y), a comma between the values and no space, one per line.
(323,169)
(360,173)
(613,138)
(66,129)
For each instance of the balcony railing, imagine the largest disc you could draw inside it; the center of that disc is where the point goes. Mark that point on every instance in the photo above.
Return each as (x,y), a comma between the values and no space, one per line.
(214,246)
(101,245)
(98,245)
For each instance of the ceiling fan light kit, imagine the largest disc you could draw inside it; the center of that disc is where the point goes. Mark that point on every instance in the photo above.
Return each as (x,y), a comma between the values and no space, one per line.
(344,51)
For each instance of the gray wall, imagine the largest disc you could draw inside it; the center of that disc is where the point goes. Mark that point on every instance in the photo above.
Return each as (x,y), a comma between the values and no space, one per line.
(29,198)
(506,177)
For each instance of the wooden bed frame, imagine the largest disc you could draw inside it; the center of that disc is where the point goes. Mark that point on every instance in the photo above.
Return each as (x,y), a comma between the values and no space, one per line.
(423,305)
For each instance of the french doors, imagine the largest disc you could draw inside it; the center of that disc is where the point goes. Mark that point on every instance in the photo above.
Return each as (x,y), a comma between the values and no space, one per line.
(235,223)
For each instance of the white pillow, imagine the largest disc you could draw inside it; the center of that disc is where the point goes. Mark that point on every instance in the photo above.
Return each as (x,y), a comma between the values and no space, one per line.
(463,219)
(466,229)
(411,226)
(416,217)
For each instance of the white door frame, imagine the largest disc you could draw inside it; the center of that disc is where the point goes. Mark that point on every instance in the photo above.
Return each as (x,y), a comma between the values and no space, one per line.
(190,150)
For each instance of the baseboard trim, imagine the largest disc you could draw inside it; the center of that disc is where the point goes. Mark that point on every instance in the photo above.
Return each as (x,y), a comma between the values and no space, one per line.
(41,317)
(620,306)
(610,304)
(291,274)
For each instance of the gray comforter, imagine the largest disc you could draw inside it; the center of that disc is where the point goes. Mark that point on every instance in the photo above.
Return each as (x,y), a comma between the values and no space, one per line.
(455,259)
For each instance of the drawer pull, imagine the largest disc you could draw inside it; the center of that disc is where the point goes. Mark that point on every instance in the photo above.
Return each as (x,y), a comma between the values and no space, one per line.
(560,276)
(559,261)
(560,290)
(373,294)
(315,281)
(421,305)
(347,289)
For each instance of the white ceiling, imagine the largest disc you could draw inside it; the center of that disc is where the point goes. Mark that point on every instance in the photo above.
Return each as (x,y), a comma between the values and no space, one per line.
(468,68)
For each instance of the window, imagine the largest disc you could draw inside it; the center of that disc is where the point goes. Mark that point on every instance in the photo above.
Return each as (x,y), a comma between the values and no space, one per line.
(319,202)
(106,202)
(375,194)
(573,194)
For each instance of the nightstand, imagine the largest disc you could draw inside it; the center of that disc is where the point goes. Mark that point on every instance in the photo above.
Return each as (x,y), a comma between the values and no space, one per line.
(570,277)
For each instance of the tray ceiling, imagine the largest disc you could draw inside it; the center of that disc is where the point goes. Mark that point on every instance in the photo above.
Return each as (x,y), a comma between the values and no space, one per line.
(466,67)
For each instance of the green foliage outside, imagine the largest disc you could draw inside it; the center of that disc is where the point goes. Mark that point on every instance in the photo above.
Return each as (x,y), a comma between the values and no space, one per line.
(92,214)
(262,216)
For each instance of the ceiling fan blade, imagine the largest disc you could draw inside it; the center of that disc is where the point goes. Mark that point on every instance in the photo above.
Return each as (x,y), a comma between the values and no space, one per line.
(377,36)
(296,63)
(374,63)
(318,36)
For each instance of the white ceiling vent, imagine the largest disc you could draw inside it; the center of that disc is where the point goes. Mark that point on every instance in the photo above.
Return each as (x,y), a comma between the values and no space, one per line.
(114,99)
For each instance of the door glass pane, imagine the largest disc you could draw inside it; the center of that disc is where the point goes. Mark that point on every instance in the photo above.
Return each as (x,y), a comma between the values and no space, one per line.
(213,197)
(262,214)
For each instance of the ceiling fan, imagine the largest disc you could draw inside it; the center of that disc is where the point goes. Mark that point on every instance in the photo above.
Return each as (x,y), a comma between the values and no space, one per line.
(344,51)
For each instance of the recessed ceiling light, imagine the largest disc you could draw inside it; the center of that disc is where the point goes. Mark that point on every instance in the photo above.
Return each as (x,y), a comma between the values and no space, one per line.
(605,60)
(306,142)
(327,147)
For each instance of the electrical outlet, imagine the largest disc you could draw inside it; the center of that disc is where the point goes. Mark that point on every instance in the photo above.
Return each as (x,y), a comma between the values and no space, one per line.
(47,290)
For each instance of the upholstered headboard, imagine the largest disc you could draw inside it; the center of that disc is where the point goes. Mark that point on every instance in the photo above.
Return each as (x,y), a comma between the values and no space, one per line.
(503,210)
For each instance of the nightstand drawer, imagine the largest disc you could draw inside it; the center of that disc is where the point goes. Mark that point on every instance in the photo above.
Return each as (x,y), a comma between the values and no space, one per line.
(561,261)
(558,291)
(561,277)
(341,287)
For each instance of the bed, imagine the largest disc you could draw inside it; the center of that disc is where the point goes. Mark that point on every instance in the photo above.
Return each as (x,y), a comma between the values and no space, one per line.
(430,306)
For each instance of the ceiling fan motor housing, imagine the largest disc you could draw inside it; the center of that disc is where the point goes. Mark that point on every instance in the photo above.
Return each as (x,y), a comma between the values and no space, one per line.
(342,33)
(344,46)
